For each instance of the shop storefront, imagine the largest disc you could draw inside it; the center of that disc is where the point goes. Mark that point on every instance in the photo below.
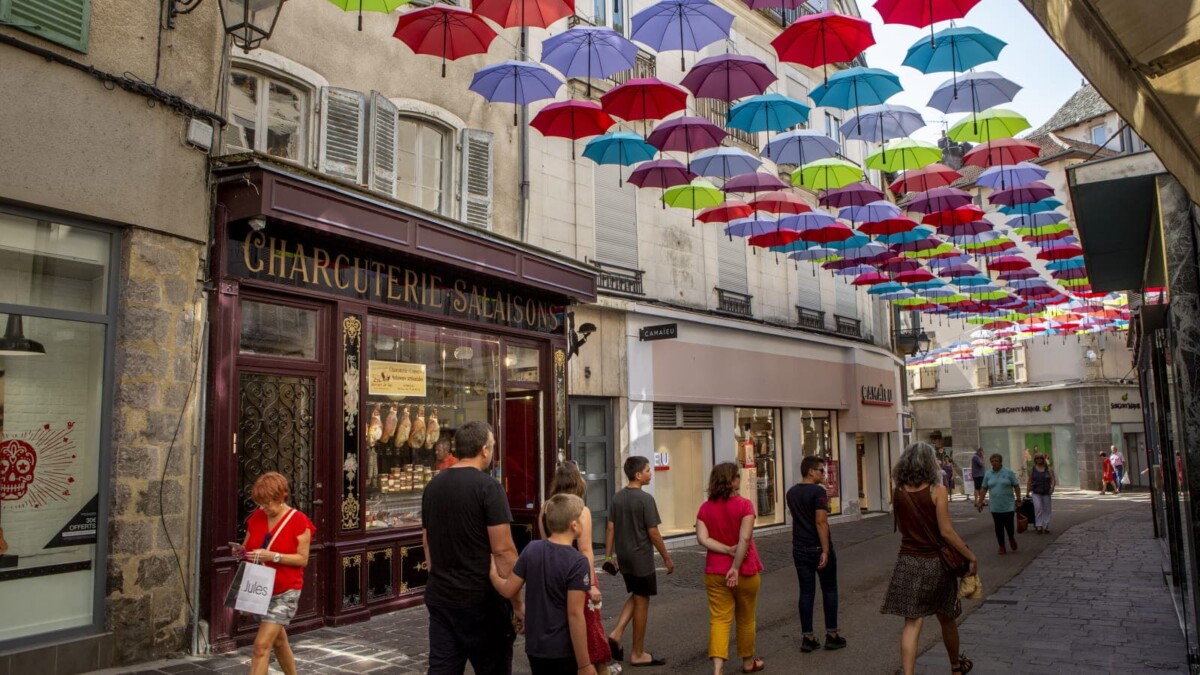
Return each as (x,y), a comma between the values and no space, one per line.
(349,342)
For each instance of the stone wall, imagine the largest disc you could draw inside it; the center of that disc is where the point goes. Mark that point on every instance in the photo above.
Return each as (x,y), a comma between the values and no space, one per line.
(1093,433)
(155,452)
(964,424)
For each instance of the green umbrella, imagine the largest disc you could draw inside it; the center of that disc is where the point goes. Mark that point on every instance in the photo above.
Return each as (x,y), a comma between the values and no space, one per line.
(949,299)
(1041,230)
(991,125)
(360,6)
(903,155)
(827,174)
(909,302)
(1071,283)
(988,295)
(929,252)
(699,194)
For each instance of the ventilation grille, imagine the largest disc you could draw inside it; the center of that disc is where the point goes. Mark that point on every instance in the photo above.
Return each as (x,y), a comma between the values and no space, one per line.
(674,416)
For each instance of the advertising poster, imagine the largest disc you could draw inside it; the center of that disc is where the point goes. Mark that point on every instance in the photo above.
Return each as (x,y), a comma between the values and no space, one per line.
(389,378)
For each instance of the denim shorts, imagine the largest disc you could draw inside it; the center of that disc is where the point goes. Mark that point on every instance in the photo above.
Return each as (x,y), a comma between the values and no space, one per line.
(282,608)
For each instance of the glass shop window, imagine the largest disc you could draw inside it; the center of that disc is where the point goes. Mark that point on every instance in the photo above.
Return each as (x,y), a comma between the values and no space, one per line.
(278,330)
(818,431)
(267,115)
(757,437)
(422,166)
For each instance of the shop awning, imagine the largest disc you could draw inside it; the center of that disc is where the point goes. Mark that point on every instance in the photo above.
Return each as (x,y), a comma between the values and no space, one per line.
(255,187)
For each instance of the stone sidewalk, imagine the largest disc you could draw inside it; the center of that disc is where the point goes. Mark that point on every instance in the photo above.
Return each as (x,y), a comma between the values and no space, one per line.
(1090,603)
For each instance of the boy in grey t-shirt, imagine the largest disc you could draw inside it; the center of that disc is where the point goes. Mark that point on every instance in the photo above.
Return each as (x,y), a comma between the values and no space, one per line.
(633,528)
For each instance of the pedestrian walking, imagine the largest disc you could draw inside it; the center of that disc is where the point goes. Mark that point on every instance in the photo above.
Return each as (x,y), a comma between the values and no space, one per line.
(465,523)
(977,469)
(279,537)
(921,585)
(1006,492)
(557,579)
(633,530)
(1108,476)
(1042,482)
(1118,463)
(813,554)
(948,474)
(725,527)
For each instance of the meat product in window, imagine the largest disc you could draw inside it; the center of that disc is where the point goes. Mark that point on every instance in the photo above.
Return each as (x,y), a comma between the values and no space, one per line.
(403,430)
(389,423)
(375,428)
(417,438)
(432,430)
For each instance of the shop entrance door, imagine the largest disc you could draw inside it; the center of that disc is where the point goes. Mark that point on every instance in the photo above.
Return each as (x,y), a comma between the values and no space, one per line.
(1044,444)
(592,448)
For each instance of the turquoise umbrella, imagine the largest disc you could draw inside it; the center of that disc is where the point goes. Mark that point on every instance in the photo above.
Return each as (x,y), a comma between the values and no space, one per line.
(623,148)
(766,112)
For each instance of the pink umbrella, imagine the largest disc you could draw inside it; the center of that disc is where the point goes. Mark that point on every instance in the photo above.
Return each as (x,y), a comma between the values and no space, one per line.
(780,202)
(754,182)
(939,199)
(870,279)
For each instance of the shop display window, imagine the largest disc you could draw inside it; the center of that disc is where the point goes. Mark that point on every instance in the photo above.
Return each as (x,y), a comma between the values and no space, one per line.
(818,429)
(757,439)
(423,383)
(53,382)
(679,477)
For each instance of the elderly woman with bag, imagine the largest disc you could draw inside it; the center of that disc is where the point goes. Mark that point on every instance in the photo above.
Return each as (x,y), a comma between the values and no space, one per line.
(923,582)
(1006,494)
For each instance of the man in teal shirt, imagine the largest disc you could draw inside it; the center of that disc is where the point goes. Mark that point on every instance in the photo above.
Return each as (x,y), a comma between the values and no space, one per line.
(1006,492)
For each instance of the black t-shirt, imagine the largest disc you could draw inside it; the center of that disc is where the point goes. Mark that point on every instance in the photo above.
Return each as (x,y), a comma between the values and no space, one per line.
(803,500)
(549,571)
(456,510)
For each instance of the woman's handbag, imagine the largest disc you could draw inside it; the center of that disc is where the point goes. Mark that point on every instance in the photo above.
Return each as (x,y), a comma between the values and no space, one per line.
(253,583)
(970,587)
(1022,524)
(954,562)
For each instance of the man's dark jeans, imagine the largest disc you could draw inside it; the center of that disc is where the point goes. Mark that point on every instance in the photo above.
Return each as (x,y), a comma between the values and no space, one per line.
(806,560)
(482,635)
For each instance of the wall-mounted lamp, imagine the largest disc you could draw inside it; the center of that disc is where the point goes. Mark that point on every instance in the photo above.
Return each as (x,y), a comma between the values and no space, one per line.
(921,346)
(575,340)
(14,342)
(248,22)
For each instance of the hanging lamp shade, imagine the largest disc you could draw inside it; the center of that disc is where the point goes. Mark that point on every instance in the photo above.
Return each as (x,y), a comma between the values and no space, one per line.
(14,342)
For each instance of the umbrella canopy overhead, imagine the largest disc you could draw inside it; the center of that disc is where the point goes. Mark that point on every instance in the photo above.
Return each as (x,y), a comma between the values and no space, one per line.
(824,174)
(1030,192)
(856,87)
(535,13)
(879,123)
(925,178)
(724,162)
(989,125)
(1003,151)
(728,77)
(572,120)
(973,92)
(922,13)
(954,50)
(360,6)
(619,147)
(519,82)
(855,194)
(800,147)
(767,112)
(904,154)
(686,134)
(939,199)
(699,194)
(727,211)
(445,31)
(820,39)
(1000,177)
(757,181)
(870,213)
(780,203)
(646,98)
(589,52)
(683,25)
(662,174)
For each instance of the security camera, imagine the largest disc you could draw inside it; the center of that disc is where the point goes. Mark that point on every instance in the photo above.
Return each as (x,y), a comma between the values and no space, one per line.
(258,223)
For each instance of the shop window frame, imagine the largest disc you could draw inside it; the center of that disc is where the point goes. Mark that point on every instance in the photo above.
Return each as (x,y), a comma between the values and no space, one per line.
(309,95)
(104,465)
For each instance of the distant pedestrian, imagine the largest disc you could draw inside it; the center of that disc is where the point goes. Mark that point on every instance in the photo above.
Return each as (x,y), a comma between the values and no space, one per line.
(633,530)
(466,529)
(556,579)
(1006,492)
(1041,485)
(977,469)
(921,585)
(813,554)
(1118,464)
(948,474)
(725,526)
(1108,476)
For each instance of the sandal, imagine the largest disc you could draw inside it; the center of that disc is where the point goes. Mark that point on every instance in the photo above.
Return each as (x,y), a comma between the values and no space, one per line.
(618,654)
(756,665)
(964,665)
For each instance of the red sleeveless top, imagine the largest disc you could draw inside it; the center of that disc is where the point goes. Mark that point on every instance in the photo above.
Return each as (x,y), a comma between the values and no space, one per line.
(916,518)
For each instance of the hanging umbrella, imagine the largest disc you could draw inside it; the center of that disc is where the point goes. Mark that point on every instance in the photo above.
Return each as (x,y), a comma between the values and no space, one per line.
(879,123)
(728,77)
(869,213)
(855,194)
(646,98)
(724,162)
(699,194)
(850,270)
(533,13)
(973,92)
(948,261)
(907,153)
(1059,252)
(963,270)
(939,199)
(684,25)
(898,264)
(1000,177)
(989,125)
(619,147)
(754,182)
(800,146)
(445,31)
(519,82)
(727,211)
(914,276)
(779,237)
(975,229)
(1019,275)
(572,120)
(956,216)
(766,112)
(1065,263)
(815,254)
(824,174)
(918,233)
(1030,192)
(870,253)
(661,174)
(589,52)
(808,221)
(887,227)
(823,38)
(360,6)
(780,203)
(856,241)
(856,87)
(1002,151)
(954,50)
(1036,219)
(752,227)
(825,235)
(686,134)
(1048,204)
(922,13)
(885,287)
(925,178)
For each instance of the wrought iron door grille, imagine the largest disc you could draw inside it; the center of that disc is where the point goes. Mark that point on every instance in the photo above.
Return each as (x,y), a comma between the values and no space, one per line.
(275,433)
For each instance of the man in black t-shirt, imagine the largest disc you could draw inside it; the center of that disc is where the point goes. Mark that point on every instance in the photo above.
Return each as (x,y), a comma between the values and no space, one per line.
(812,553)
(465,520)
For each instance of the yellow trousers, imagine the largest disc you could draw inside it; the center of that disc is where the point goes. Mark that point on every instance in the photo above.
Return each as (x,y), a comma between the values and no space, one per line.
(725,604)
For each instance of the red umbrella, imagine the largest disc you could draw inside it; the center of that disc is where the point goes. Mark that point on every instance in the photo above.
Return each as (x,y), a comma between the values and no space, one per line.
(1005,151)
(870,279)
(780,237)
(921,13)
(824,235)
(645,98)
(957,216)
(1039,239)
(445,31)
(730,209)
(926,178)
(888,227)
(821,39)
(912,276)
(573,120)
(512,13)
(1009,262)
(780,203)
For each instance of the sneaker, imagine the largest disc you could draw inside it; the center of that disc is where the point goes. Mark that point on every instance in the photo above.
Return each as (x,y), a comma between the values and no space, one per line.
(1001,551)
(834,642)
(809,644)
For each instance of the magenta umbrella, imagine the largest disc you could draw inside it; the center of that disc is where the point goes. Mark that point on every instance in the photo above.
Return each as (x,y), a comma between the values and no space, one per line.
(662,174)
(959,271)
(754,182)
(686,134)
(939,199)
(854,194)
(1022,194)
(1016,275)
(729,77)
(899,264)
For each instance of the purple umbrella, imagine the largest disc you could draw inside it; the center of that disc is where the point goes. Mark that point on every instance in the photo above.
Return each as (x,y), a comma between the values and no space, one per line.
(724,162)
(1022,194)
(754,182)
(854,194)
(808,221)
(589,52)
(870,213)
(1000,177)
(800,147)
(1016,275)
(729,77)
(519,82)
(918,245)
(959,271)
(661,174)
(686,134)
(752,227)
(973,228)
(1074,273)
(939,199)
(948,261)
(879,123)
(686,25)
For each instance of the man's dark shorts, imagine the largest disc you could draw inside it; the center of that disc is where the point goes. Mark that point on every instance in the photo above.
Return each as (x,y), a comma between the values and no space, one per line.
(482,635)
(978,482)
(645,586)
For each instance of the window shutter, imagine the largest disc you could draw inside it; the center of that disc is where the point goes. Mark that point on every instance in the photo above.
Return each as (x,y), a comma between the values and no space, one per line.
(808,294)
(343,125)
(616,218)
(845,299)
(1020,369)
(731,264)
(61,21)
(382,146)
(983,372)
(476,185)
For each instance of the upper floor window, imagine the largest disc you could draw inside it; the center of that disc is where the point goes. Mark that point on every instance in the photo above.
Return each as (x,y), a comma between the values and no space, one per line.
(1099,135)
(610,13)
(423,164)
(267,115)
(833,127)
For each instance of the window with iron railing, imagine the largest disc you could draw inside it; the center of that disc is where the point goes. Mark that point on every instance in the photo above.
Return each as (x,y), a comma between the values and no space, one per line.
(715,111)
(619,279)
(646,65)
(810,318)
(786,17)
(732,302)
(844,325)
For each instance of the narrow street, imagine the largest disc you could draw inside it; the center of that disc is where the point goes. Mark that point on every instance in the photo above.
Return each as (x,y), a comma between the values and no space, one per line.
(396,643)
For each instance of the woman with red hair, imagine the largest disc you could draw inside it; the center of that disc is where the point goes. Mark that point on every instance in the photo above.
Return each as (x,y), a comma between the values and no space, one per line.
(277,536)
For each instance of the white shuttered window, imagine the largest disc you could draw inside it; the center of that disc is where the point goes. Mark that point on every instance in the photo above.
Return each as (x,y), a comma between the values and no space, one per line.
(476,183)
(382,146)
(845,299)
(731,264)
(808,293)
(343,126)
(616,218)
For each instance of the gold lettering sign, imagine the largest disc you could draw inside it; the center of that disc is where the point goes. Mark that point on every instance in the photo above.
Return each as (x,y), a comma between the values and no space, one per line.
(388,378)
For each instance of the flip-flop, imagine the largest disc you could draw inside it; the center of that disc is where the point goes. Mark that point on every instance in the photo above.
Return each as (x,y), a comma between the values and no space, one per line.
(759,664)
(654,661)
(618,653)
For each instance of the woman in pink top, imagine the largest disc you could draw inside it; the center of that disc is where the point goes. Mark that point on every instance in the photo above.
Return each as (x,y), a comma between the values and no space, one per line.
(725,526)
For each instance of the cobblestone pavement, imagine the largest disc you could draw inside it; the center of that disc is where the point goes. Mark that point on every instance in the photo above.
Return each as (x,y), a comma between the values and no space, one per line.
(1094,601)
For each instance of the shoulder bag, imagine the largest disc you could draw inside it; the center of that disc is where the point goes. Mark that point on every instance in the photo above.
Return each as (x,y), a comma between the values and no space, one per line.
(952,560)
(253,583)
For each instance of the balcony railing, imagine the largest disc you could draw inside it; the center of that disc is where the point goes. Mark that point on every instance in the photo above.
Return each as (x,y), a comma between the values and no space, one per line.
(844,325)
(645,65)
(716,111)
(810,318)
(732,302)
(619,279)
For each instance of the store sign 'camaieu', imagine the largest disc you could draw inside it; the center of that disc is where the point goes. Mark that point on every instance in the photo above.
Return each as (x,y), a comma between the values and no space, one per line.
(877,395)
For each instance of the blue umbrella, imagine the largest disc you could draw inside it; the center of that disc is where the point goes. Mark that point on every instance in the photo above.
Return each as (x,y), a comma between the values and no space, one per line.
(752,227)
(850,243)
(973,92)
(870,213)
(807,221)
(854,270)
(800,147)
(976,280)
(619,147)
(793,247)
(686,25)
(916,234)
(865,252)
(998,177)
(814,253)
(589,52)
(1037,219)
(1047,204)
(949,261)
(856,87)
(766,112)
(519,82)
(954,50)
(1065,264)
(880,123)
(724,162)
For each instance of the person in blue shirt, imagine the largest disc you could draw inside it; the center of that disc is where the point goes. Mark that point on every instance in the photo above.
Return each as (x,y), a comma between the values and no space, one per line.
(1006,492)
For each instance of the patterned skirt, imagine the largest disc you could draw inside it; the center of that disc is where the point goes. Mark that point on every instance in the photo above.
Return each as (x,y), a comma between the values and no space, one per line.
(921,587)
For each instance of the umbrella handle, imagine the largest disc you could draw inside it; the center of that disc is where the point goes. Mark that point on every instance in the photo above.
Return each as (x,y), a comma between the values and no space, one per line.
(682,63)
(360,10)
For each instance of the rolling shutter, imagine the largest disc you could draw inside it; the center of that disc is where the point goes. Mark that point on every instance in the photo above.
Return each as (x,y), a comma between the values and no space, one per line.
(382,145)
(476,184)
(674,416)
(731,264)
(343,122)
(845,299)
(808,292)
(64,22)
(616,218)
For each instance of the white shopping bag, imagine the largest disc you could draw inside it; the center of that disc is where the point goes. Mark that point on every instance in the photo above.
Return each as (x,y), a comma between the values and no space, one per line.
(251,589)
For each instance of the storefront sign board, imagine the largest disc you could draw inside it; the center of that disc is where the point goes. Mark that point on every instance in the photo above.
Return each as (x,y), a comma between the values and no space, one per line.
(906,423)
(388,378)
(877,395)
(666,331)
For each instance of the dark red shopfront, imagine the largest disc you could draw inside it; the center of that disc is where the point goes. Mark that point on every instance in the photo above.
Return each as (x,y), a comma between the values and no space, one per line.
(347,339)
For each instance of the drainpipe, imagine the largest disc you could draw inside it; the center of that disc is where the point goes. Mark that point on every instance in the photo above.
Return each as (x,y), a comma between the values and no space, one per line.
(523,156)
(197,538)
